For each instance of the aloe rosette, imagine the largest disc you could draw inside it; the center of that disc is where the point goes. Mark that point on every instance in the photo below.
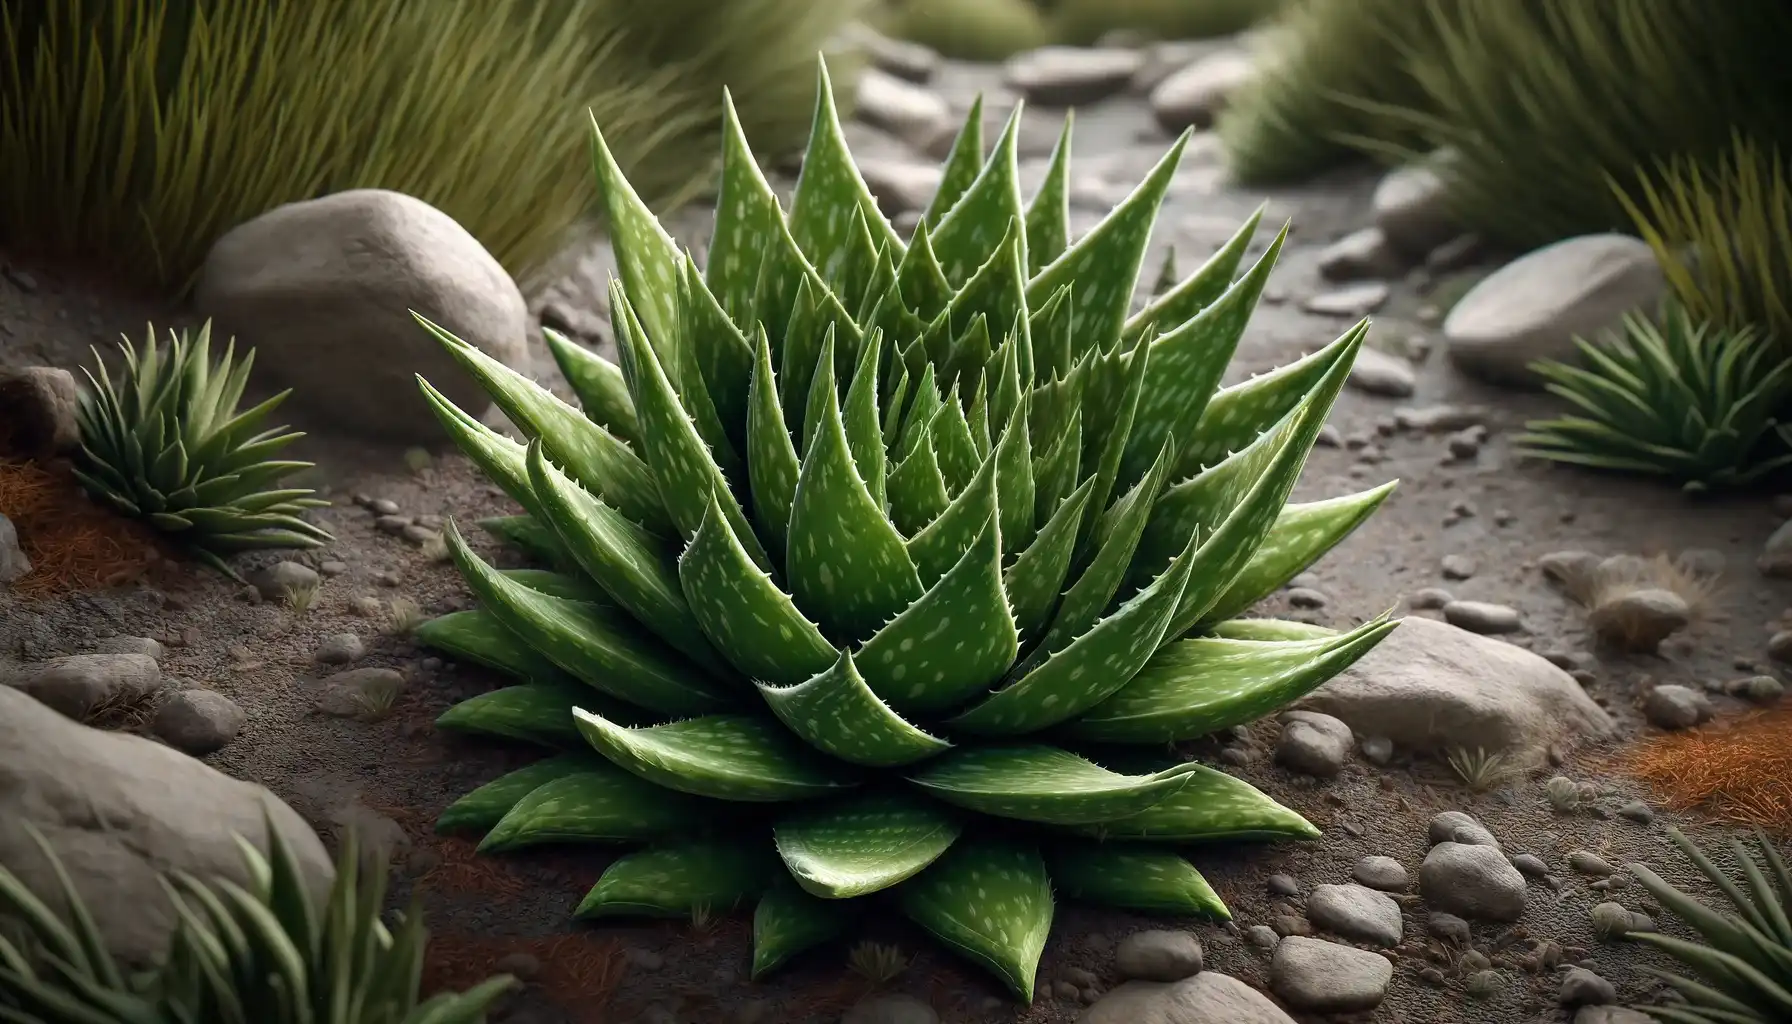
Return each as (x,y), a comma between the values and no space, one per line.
(874,562)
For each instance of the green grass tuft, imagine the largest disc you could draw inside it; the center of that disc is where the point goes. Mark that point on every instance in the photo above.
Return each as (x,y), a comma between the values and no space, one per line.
(975,30)
(1082,22)
(137,133)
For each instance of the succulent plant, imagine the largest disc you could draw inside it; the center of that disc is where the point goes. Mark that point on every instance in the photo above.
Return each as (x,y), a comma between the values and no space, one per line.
(1681,399)
(166,444)
(1743,958)
(238,955)
(917,545)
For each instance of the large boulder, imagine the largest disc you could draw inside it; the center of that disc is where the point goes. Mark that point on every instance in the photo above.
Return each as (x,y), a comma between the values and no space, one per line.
(1206,998)
(323,290)
(121,811)
(1534,307)
(1433,687)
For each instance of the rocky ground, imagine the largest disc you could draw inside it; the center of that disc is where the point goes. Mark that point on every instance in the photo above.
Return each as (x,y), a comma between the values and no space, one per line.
(1475,892)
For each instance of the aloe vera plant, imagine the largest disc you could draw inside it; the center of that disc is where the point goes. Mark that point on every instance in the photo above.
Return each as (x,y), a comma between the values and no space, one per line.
(255,954)
(166,444)
(874,560)
(1744,959)
(1691,401)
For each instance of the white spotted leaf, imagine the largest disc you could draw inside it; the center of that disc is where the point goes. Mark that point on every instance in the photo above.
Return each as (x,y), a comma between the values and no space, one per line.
(1133,876)
(788,921)
(726,757)
(953,642)
(598,804)
(1048,215)
(539,713)
(991,902)
(647,259)
(749,224)
(938,547)
(917,488)
(836,713)
(1238,414)
(1035,582)
(864,845)
(485,806)
(829,190)
(1211,806)
(971,232)
(1043,784)
(602,393)
(772,466)
(1190,297)
(959,172)
(1301,535)
(673,880)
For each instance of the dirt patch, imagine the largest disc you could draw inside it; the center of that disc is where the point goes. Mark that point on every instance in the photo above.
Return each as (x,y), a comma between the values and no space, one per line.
(74,543)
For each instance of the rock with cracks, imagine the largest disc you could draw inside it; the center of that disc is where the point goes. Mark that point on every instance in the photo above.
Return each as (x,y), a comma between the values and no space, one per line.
(119,811)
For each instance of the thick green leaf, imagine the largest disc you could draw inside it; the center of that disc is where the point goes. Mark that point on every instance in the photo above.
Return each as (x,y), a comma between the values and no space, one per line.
(498,457)
(1091,668)
(962,165)
(726,757)
(673,880)
(859,418)
(990,901)
(920,280)
(1237,415)
(967,236)
(1043,784)
(685,471)
(837,714)
(1193,688)
(529,535)
(1268,630)
(863,845)
(600,648)
(938,547)
(917,488)
(1184,301)
(600,803)
(1301,535)
(1014,482)
(1211,806)
(533,713)
(1128,374)
(485,806)
(603,395)
(477,636)
(749,224)
(997,291)
(1132,876)
(789,921)
(957,450)
(1058,472)
(755,625)
(634,567)
(772,466)
(1187,363)
(1105,263)
(830,185)
(1035,581)
(845,561)
(703,319)
(574,586)
(602,463)
(647,259)
(957,639)
(1048,216)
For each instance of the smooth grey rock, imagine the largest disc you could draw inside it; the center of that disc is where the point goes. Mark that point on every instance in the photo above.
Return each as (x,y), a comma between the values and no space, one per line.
(1448,927)
(1325,977)
(1458,827)
(1458,567)
(910,112)
(119,810)
(1262,936)
(42,406)
(1433,687)
(1383,873)
(1069,76)
(1534,307)
(1357,913)
(1206,998)
(199,722)
(1483,617)
(13,561)
(341,649)
(1776,555)
(1314,744)
(1158,955)
(129,645)
(1611,1015)
(1377,749)
(79,684)
(908,61)
(324,289)
(345,694)
(1676,707)
(1378,373)
(1438,419)
(1530,864)
(1589,863)
(900,187)
(1412,207)
(1581,987)
(1362,253)
(281,578)
(1474,882)
(1639,620)
(1194,96)
(1282,885)
(1352,300)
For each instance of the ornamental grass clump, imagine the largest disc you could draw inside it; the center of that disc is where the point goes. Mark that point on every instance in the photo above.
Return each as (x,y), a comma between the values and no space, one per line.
(912,547)
(166,444)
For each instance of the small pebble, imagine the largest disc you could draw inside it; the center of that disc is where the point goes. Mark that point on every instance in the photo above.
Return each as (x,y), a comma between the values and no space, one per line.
(1383,873)
(1589,863)
(1458,567)
(1482,617)
(1530,864)
(1282,885)
(1429,599)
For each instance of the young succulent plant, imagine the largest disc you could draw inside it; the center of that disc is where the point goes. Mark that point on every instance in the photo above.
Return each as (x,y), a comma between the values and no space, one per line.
(1743,959)
(239,954)
(1691,401)
(911,547)
(166,444)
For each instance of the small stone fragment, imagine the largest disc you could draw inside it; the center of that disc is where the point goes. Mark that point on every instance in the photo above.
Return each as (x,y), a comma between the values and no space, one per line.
(1313,743)
(1325,977)
(1675,707)
(199,722)
(1474,882)
(1158,955)
(1482,617)
(1383,873)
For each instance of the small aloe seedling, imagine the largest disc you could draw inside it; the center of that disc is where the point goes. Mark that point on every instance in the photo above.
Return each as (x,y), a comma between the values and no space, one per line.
(877,963)
(867,538)
(403,616)
(375,698)
(1482,770)
(300,597)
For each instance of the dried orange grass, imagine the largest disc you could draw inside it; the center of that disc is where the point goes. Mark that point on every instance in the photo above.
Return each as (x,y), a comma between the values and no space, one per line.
(1737,771)
(578,971)
(73,543)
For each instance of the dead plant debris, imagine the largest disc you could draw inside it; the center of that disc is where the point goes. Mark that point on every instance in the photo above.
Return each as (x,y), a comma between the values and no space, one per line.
(1736,770)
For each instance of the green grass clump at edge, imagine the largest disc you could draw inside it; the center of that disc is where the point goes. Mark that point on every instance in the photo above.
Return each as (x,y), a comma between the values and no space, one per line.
(1083,22)
(975,30)
(136,133)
